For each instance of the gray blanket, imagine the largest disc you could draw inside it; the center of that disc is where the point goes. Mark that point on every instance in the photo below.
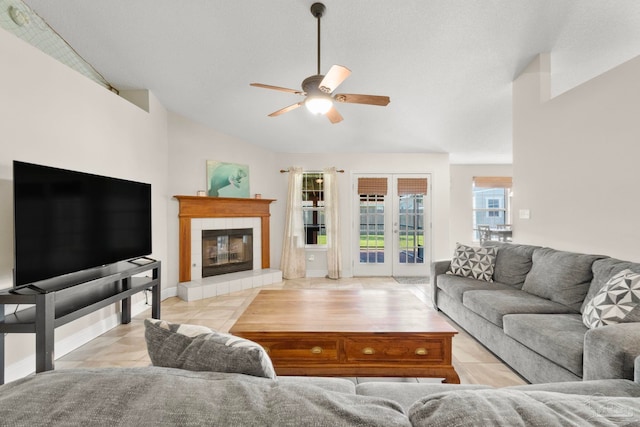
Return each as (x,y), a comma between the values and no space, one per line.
(163,396)
(511,408)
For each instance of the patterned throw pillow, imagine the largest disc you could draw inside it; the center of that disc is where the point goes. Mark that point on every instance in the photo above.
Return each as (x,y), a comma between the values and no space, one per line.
(617,302)
(469,261)
(198,348)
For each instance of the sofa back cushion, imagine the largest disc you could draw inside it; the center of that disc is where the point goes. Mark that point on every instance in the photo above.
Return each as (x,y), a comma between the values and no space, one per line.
(603,270)
(522,408)
(562,277)
(513,262)
(151,396)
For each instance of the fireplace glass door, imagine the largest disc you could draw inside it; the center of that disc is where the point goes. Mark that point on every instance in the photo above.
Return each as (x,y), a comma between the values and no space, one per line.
(226,251)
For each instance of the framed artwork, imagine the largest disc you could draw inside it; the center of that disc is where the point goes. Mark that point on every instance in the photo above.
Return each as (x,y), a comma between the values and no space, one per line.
(227,179)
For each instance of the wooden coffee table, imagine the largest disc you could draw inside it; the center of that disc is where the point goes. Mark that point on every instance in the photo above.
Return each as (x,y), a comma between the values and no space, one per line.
(350,333)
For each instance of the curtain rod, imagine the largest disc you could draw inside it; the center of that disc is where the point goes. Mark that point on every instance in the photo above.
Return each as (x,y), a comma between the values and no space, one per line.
(287,170)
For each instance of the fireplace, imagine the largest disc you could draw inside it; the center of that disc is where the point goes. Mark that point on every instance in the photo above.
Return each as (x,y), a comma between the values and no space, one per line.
(226,251)
(222,213)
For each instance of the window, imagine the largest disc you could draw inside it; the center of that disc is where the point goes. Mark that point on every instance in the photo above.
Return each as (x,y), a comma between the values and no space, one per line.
(492,207)
(313,208)
(491,202)
(373,192)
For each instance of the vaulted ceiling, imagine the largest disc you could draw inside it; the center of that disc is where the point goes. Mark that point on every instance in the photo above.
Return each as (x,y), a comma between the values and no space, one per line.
(447,65)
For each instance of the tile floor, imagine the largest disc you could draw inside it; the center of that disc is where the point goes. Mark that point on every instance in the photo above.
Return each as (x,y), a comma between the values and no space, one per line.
(125,346)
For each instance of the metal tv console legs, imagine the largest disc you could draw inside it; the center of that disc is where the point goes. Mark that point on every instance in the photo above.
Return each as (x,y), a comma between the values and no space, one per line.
(59,302)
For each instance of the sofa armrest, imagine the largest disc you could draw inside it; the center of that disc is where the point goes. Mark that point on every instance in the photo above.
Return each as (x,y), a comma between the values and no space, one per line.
(437,268)
(611,351)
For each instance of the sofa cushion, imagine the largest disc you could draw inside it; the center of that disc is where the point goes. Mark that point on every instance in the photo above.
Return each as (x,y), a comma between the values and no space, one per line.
(603,270)
(153,396)
(562,277)
(513,262)
(407,393)
(607,387)
(618,302)
(558,337)
(340,385)
(500,407)
(455,286)
(470,261)
(492,305)
(192,348)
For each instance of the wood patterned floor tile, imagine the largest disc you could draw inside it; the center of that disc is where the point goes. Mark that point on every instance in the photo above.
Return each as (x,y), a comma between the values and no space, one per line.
(124,345)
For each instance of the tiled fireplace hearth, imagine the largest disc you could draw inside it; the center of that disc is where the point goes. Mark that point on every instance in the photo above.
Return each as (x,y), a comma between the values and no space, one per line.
(221,213)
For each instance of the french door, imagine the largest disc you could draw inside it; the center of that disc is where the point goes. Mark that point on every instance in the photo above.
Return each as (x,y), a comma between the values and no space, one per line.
(392,224)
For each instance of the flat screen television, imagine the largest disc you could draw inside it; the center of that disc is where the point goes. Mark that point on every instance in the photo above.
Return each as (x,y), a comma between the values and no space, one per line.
(67,221)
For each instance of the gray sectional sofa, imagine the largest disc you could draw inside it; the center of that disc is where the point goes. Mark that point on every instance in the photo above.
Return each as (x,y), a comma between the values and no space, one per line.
(530,315)
(159,396)
(203,377)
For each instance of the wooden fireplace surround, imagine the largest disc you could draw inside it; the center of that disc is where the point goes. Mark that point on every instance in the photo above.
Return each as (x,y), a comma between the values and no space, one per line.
(219,207)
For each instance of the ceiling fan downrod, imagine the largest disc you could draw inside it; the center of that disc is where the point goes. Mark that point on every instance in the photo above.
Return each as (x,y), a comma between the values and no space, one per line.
(317,10)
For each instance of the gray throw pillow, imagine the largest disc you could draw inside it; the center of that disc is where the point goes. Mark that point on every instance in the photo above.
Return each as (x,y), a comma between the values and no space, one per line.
(605,269)
(477,263)
(617,302)
(198,348)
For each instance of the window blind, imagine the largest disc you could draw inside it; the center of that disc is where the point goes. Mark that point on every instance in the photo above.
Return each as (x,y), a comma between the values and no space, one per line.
(412,186)
(492,181)
(372,186)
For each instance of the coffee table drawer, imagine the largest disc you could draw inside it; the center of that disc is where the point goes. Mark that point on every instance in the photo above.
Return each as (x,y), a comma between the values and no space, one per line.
(394,349)
(301,349)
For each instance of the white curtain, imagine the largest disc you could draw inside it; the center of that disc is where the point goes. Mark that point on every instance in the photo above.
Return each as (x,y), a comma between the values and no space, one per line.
(332,222)
(293,264)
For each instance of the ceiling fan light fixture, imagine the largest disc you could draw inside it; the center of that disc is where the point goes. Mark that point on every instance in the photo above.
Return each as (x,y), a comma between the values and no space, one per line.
(318,104)
(318,89)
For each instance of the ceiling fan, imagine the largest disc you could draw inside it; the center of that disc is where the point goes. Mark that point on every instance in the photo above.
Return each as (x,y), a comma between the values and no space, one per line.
(318,89)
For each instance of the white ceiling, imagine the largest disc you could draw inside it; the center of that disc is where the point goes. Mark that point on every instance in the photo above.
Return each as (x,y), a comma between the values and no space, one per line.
(446,64)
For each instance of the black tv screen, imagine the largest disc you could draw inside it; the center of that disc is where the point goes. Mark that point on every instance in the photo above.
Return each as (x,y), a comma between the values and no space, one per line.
(67,221)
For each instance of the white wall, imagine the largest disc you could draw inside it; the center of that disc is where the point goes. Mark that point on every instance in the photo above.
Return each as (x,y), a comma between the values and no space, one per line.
(54,116)
(575,161)
(435,164)
(190,146)
(461,214)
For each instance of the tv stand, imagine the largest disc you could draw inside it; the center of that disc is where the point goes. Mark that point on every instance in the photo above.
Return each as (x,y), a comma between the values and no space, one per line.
(59,301)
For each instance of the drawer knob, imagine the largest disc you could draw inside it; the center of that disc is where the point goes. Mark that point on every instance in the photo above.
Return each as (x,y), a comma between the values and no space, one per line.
(368,350)
(421,351)
(316,350)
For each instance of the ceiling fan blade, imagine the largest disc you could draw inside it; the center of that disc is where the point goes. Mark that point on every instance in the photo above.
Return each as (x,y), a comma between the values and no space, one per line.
(353,98)
(336,75)
(286,109)
(334,116)
(282,89)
